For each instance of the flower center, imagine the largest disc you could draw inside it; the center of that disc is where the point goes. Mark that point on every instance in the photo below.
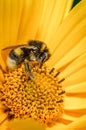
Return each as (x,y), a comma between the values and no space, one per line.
(40,98)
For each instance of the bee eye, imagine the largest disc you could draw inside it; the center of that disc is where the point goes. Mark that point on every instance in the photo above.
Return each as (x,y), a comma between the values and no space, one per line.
(44,56)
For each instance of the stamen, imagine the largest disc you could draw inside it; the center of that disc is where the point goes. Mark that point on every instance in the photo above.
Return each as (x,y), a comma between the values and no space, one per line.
(61,81)
(51,71)
(59,101)
(57,74)
(62,92)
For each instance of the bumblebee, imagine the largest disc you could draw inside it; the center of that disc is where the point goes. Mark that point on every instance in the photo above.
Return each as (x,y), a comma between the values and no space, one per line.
(33,51)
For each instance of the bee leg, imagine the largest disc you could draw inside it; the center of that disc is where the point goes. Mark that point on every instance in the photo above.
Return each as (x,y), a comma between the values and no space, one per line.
(28,69)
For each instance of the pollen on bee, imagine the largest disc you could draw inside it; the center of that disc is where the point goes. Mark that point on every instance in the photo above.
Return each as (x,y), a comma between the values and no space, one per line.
(41,100)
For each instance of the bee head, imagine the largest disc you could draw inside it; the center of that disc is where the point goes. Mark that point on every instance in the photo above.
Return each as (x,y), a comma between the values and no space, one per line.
(39,52)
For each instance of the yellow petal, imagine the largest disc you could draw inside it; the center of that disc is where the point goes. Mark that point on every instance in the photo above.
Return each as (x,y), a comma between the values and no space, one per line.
(25,124)
(3,127)
(68,7)
(17,21)
(23,19)
(2,63)
(77,88)
(58,126)
(1,22)
(1,75)
(76,78)
(79,124)
(74,66)
(70,118)
(10,11)
(46,17)
(71,31)
(2,117)
(53,14)
(75,113)
(74,103)
(5,12)
(76,51)
(30,20)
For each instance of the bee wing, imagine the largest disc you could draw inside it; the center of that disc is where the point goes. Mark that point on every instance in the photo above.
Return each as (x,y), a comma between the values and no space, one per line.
(12,47)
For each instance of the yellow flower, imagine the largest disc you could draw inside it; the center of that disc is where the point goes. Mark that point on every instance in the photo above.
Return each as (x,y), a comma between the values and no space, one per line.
(64,33)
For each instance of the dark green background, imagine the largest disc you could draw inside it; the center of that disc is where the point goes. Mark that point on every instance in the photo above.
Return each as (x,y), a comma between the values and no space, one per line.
(75,2)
